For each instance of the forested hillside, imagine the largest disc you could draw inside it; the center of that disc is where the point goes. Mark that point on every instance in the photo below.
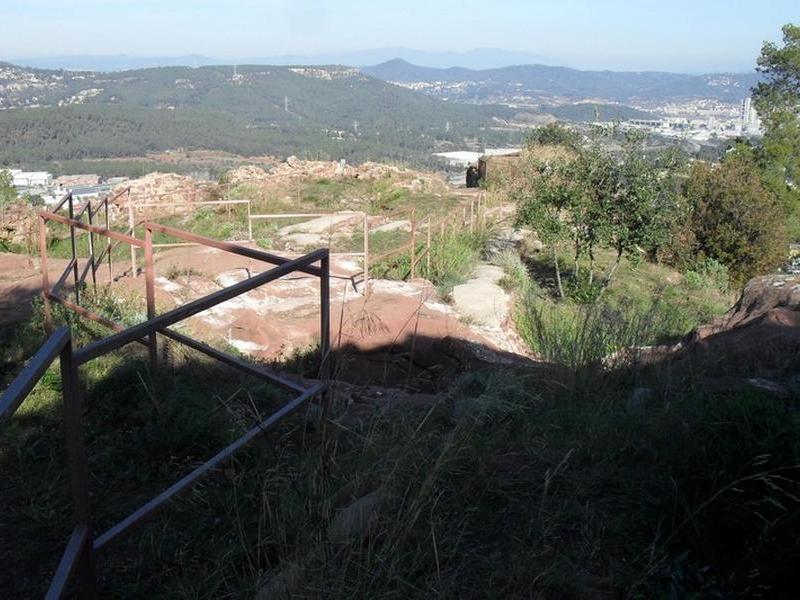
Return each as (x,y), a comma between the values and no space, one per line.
(575,84)
(329,112)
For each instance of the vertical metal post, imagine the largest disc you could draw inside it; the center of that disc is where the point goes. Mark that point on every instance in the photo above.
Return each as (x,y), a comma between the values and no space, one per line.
(74,252)
(108,248)
(149,278)
(78,467)
(91,245)
(428,249)
(48,310)
(471,215)
(132,226)
(325,316)
(413,248)
(249,223)
(366,254)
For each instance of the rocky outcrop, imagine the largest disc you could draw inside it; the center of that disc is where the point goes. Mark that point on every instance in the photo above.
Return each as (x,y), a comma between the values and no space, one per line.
(167,188)
(18,225)
(294,169)
(246,175)
(759,336)
(756,343)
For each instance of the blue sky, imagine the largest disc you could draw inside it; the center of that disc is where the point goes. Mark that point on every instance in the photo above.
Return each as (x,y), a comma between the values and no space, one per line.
(678,35)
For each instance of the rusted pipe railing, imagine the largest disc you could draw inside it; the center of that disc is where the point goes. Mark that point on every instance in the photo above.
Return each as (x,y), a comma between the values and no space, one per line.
(78,559)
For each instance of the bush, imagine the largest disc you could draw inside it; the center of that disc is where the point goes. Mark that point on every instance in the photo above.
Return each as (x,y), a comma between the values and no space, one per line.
(708,274)
(734,219)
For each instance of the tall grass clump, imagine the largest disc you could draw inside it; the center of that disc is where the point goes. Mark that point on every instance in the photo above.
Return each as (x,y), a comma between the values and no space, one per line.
(578,335)
(708,274)
(453,257)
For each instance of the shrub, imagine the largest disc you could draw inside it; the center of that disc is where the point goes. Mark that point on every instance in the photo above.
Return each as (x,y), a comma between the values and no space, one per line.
(735,219)
(708,274)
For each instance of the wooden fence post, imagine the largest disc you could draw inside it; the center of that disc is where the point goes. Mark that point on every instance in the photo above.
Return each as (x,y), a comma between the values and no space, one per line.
(428,262)
(132,225)
(74,251)
(149,280)
(48,309)
(325,317)
(366,254)
(91,245)
(78,469)
(108,248)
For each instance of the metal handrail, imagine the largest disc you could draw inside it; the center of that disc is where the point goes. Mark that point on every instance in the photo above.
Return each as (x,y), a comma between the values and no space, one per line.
(75,559)
(78,556)
(27,379)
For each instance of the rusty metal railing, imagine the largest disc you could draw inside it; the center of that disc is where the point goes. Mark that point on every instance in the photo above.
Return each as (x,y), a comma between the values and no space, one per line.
(79,555)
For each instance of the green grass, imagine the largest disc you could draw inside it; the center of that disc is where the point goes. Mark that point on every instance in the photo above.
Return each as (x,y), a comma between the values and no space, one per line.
(142,435)
(645,304)
(512,483)
(454,256)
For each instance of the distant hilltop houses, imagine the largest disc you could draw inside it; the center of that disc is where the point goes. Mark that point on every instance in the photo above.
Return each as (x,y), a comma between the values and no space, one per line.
(42,184)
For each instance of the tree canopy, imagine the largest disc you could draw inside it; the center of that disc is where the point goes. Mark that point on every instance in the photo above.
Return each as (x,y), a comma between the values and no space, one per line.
(8,192)
(777,101)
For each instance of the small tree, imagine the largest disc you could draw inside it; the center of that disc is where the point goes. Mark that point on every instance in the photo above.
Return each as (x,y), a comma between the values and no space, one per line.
(543,192)
(592,198)
(554,134)
(8,192)
(639,203)
(735,218)
(777,100)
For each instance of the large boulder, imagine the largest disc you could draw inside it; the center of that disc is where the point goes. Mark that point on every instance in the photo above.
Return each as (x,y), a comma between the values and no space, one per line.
(759,336)
(162,188)
(754,343)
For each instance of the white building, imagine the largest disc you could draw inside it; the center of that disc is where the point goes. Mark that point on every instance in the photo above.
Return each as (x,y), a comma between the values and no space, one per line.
(750,123)
(23,180)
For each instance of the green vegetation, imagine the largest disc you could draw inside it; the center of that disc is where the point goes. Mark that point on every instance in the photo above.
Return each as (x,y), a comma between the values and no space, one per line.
(646,304)
(8,192)
(454,255)
(589,198)
(776,101)
(578,194)
(668,489)
(589,112)
(152,110)
(733,219)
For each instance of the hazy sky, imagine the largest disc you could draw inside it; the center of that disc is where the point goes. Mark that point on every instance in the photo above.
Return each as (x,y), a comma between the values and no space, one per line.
(685,35)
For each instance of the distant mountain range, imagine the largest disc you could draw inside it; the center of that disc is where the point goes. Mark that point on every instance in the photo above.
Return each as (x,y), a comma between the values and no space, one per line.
(478,58)
(542,83)
(328,112)
(325,111)
(482,75)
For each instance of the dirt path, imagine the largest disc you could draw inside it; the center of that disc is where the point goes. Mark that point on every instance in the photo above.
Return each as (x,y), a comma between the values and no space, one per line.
(20,281)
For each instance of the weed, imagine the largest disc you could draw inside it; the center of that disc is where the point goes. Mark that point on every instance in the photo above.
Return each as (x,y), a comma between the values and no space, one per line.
(708,274)
(174,272)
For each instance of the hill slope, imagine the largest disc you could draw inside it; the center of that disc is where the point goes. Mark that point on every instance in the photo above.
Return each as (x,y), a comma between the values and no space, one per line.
(545,81)
(327,111)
